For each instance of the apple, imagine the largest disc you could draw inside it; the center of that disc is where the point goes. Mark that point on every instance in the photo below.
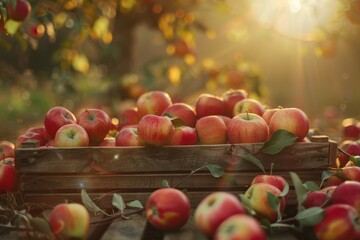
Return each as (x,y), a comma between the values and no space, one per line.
(153,102)
(96,122)
(155,130)
(231,97)
(36,30)
(275,180)
(315,199)
(352,173)
(184,135)
(347,192)
(108,142)
(268,113)
(240,227)
(69,221)
(167,209)
(225,119)
(211,130)
(7,150)
(247,128)
(20,12)
(208,104)
(350,129)
(40,130)
(340,222)
(183,111)
(71,135)
(349,146)
(30,136)
(8,176)
(334,181)
(257,195)
(128,136)
(249,105)
(293,120)
(214,209)
(57,117)
(129,116)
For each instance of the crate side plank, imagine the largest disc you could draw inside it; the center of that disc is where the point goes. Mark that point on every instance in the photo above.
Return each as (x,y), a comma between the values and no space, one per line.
(137,182)
(184,158)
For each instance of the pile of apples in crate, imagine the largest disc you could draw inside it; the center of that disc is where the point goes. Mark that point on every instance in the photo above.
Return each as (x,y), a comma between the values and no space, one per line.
(232,118)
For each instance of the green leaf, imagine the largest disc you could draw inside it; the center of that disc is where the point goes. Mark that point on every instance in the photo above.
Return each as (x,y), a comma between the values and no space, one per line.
(300,190)
(89,204)
(135,204)
(355,160)
(41,225)
(246,204)
(215,170)
(278,141)
(311,186)
(310,216)
(165,183)
(285,191)
(265,223)
(273,200)
(118,202)
(252,159)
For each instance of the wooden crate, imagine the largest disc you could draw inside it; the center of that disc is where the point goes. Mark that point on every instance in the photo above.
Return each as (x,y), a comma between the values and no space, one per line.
(48,176)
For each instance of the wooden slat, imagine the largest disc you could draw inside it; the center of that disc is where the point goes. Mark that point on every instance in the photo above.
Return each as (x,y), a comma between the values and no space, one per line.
(146,182)
(168,158)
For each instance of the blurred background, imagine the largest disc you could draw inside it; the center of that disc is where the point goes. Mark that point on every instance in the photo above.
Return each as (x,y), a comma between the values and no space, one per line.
(105,54)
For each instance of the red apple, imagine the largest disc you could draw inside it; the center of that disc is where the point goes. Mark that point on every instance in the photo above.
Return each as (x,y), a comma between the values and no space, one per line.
(108,142)
(7,150)
(183,111)
(8,176)
(247,128)
(315,199)
(334,181)
(275,180)
(71,135)
(257,195)
(153,102)
(30,136)
(41,130)
(69,221)
(225,119)
(240,227)
(350,129)
(215,209)
(57,117)
(349,146)
(211,130)
(231,97)
(208,104)
(183,135)
(293,120)
(36,30)
(249,105)
(127,117)
(347,192)
(155,130)
(340,222)
(267,115)
(96,122)
(167,209)
(20,12)
(128,136)
(352,173)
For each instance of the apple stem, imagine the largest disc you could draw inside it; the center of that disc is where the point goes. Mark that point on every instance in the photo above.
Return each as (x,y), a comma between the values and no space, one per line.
(271,168)
(247,114)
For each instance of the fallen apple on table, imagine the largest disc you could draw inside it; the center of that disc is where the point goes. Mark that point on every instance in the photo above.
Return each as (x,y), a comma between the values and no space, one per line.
(167,209)
(215,209)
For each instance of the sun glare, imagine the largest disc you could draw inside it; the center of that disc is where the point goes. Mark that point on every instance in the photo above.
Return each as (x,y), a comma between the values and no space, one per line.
(300,19)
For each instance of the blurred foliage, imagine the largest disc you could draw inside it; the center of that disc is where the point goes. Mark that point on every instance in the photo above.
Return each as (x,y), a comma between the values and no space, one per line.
(77,52)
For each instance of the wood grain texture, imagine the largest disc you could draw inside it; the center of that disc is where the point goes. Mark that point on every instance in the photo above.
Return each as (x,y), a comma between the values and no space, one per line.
(102,160)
